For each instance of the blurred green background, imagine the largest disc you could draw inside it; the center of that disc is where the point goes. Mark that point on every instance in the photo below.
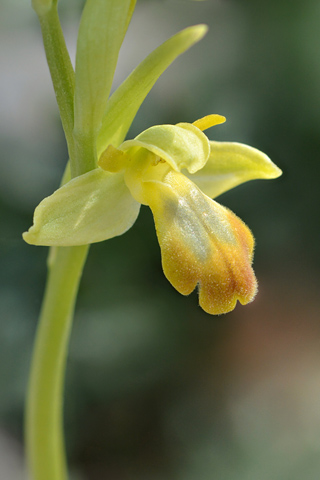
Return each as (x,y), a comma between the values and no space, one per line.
(156,389)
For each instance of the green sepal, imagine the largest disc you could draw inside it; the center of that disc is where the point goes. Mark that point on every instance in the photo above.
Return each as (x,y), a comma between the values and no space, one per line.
(90,208)
(231,164)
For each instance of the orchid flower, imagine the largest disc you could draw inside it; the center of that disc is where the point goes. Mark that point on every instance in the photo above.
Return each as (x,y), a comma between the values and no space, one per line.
(176,171)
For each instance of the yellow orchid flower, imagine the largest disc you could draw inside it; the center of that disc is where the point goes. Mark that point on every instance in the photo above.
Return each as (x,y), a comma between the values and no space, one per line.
(172,169)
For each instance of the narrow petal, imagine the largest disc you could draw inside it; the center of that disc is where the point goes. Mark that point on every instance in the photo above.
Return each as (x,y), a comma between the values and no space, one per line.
(90,208)
(202,243)
(209,121)
(126,100)
(231,164)
(181,146)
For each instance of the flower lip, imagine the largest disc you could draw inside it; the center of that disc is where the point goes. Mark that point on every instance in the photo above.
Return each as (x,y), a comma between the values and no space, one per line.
(202,244)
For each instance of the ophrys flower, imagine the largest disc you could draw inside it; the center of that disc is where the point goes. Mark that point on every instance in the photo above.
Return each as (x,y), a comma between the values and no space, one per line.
(176,171)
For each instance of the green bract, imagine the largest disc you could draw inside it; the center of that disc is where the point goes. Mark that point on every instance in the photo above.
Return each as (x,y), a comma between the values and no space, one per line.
(101,33)
(102,29)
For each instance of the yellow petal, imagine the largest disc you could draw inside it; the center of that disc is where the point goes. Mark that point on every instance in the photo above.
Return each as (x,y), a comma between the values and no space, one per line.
(202,243)
(209,121)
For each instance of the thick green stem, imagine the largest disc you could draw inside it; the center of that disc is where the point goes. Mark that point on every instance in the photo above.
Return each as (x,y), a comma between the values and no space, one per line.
(44,418)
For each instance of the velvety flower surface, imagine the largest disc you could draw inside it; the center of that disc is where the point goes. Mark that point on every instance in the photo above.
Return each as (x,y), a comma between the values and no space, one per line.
(176,171)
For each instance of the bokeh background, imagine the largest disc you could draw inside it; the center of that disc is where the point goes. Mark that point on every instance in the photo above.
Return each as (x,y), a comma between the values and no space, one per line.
(156,389)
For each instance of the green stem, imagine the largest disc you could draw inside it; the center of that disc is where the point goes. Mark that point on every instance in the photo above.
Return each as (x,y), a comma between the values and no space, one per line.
(44,418)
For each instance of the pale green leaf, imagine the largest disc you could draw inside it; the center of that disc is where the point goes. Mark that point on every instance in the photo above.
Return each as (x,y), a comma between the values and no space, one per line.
(231,164)
(126,100)
(90,208)
(101,32)
(59,63)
